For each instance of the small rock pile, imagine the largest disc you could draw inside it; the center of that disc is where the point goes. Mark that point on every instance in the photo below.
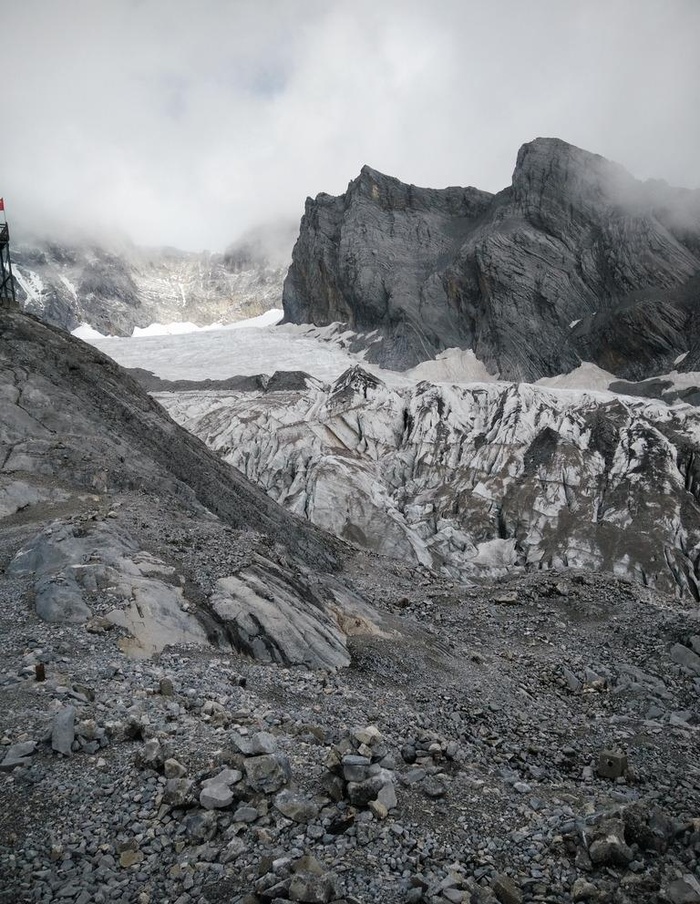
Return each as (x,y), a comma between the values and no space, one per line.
(361,771)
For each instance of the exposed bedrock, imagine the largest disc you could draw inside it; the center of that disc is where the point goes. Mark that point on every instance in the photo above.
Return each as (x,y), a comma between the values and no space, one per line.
(534,279)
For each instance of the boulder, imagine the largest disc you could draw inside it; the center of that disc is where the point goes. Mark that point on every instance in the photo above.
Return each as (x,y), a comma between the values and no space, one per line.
(177,792)
(296,806)
(686,657)
(63,731)
(215,797)
(267,773)
(17,755)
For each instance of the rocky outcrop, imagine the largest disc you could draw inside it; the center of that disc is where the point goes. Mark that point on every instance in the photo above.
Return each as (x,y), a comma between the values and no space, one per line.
(576,260)
(78,432)
(71,413)
(479,480)
(117,288)
(368,258)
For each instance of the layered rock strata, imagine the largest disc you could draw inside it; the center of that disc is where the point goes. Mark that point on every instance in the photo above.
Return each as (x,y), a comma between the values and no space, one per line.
(575,260)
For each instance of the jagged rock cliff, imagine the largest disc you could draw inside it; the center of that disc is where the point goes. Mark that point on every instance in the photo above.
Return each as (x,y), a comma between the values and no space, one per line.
(117,288)
(478,481)
(576,260)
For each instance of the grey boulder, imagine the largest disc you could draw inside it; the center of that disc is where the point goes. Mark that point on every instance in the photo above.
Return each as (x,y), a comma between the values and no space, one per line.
(63,731)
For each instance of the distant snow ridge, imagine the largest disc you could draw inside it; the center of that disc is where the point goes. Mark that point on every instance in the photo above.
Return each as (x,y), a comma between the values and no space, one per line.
(474,480)
(118,290)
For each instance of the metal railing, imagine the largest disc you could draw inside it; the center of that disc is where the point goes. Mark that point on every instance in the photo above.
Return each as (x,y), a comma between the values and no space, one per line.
(7,283)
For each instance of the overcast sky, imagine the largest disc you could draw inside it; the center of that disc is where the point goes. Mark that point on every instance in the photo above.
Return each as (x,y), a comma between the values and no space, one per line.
(185,122)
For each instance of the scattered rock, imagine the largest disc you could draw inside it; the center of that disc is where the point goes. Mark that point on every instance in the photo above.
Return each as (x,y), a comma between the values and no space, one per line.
(17,755)
(612,764)
(507,891)
(684,891)
(173,769)
(130,858)
(296,806)
(177,792)
(216,797)
(686,657)
(63,731)
(583,890)
(311,885)
(267,773)
(166,688)
(611,849)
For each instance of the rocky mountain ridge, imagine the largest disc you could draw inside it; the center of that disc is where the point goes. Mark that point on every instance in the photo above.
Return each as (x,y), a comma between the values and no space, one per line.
(575,261)
(117,287)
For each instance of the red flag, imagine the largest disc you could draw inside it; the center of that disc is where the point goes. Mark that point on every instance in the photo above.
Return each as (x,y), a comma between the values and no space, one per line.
(2,203)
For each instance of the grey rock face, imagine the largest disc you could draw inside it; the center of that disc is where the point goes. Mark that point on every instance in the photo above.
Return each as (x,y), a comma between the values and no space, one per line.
(277,617)
(576,260)
(367,258)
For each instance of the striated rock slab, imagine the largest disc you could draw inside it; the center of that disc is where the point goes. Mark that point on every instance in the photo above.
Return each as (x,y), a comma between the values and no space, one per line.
(276,616)
(70,561)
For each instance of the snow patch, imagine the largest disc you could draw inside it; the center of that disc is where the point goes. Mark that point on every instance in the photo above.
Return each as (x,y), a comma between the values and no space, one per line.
(30,282)
(165,329)
(87,333)
(585,376)
(217,354)
(496,553)
(177,328)
(69,285)
(269,318)
(455,365)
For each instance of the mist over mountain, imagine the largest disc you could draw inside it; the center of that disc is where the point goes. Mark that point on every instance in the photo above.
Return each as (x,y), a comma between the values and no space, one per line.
(575,261)
(117,286)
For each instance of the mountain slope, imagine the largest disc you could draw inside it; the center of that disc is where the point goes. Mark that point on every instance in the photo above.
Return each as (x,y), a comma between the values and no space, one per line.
(576,260)
(77,432)
(537,738)
(77,393)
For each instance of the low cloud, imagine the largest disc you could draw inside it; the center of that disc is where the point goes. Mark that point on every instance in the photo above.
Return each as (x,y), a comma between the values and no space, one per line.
(189,123)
